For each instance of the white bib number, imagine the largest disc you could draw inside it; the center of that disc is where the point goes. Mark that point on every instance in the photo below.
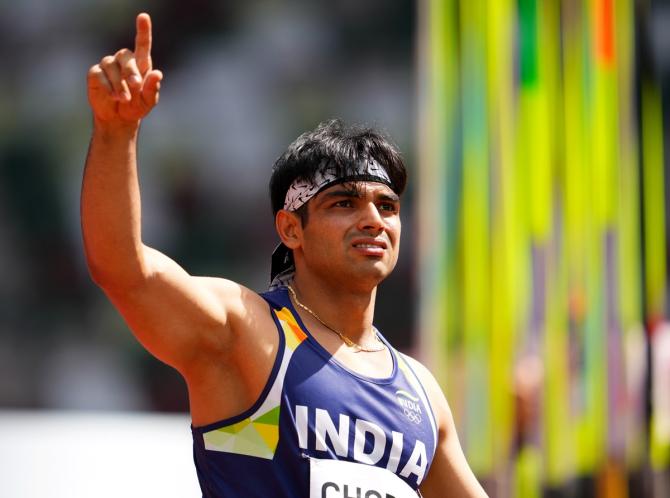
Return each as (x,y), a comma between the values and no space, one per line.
(340,479)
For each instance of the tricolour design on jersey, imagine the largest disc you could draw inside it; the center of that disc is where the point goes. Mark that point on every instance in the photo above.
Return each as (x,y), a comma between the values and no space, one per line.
(258,434)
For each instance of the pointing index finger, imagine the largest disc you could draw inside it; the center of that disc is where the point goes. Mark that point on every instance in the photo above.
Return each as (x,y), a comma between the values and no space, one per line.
(143,43)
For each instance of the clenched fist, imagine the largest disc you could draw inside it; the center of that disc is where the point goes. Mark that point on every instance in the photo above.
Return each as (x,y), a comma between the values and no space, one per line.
(123,88)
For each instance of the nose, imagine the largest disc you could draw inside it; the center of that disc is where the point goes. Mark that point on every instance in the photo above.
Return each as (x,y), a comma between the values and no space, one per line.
(371,219)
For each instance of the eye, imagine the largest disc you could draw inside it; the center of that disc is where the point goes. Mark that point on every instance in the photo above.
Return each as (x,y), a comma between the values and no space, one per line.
(388,207)
(343,203)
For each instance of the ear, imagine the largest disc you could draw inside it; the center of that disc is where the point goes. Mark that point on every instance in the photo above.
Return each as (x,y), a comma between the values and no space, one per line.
(289,228)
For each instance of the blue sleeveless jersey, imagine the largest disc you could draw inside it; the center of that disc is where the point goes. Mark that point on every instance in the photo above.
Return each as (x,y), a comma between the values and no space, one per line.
(317,425)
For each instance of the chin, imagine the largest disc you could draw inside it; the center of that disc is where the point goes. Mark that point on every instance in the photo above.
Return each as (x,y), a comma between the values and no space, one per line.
(376,273)
(368,274)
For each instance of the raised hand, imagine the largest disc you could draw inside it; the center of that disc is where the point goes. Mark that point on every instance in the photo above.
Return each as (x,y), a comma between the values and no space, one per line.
(124,87)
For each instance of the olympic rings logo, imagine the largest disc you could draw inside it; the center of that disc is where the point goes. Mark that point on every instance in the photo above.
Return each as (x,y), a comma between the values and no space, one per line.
(412,416)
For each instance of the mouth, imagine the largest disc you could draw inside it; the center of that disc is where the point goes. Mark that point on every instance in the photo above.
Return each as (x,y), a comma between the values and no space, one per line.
(370,247)
(369,242)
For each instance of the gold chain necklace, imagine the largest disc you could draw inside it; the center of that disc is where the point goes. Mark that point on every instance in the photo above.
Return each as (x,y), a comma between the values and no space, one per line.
(345,339)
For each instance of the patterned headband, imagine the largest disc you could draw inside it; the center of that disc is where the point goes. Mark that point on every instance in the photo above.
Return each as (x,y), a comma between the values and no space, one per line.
(302,191)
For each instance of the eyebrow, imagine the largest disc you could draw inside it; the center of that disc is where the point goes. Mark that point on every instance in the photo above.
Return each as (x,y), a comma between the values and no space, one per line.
(352,193)
(389,197)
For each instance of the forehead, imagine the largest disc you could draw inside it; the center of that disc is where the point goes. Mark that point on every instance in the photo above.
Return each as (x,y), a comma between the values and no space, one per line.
(358,189)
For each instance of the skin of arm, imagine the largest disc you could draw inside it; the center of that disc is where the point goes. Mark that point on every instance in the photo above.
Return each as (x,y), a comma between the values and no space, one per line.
(206,328)
(449,473)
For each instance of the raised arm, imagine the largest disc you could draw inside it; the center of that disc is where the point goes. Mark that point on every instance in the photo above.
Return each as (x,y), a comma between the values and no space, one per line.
(179,318)
(122,89)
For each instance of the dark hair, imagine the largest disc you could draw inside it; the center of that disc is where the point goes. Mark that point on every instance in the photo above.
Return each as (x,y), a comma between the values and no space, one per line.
(342,146)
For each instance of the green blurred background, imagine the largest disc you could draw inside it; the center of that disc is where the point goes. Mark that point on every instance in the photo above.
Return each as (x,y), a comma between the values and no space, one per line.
(533,275)
(543,228)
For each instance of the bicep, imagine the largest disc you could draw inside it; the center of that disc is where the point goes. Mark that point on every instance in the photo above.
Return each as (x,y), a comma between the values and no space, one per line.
(174,315)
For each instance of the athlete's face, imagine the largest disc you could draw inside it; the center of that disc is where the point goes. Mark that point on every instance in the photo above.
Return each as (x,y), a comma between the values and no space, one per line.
(353,231)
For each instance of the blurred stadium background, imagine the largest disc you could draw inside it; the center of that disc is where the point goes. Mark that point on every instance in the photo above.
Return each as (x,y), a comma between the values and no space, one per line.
(534,270)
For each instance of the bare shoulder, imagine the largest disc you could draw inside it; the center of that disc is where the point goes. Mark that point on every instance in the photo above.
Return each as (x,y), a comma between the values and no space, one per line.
(229,378)
(248,313)
(239,298)
(422,371)
(432,387)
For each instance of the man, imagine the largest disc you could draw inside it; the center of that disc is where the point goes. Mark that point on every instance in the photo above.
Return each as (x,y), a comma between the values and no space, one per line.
(292,393)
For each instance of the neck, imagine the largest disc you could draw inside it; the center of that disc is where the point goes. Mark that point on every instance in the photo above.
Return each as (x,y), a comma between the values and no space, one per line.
(328,301)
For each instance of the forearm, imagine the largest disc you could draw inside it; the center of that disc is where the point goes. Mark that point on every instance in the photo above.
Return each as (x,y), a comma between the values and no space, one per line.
(110,206)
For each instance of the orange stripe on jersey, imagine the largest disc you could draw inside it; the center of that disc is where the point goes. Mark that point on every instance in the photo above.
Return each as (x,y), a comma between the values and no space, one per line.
(294,334)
